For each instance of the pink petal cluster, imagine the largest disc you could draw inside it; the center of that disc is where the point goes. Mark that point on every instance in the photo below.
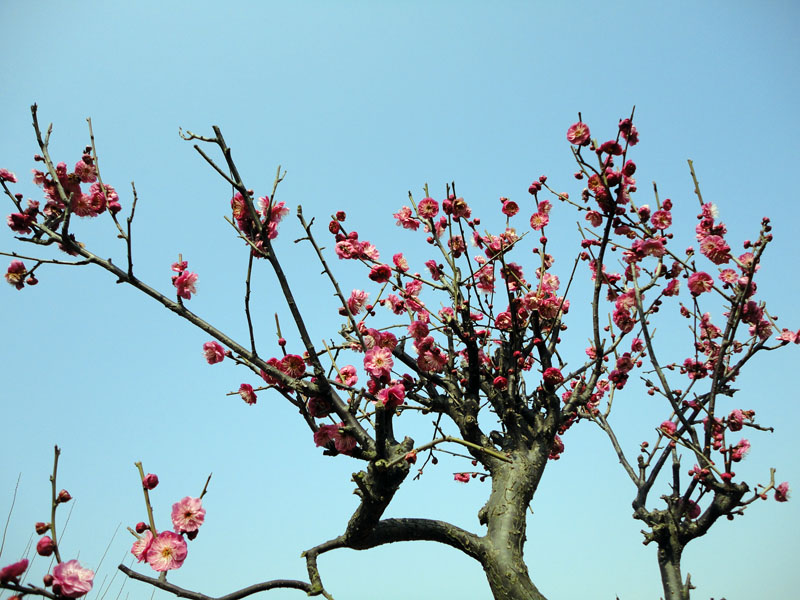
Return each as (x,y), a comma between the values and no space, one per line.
(142,545)
(427,208)
(462,477)
(578,134)
(342,441)
(357,300)
(782,492)
(552,376)
(167,551)
(16,274)
(185,284)
(213,352)
(378,362)
(700,282)
(6,175)
(247,393)
(188,515)
(10,573)
(71,580)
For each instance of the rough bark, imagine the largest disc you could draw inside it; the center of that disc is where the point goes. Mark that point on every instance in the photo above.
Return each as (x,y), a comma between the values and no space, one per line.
(505,514)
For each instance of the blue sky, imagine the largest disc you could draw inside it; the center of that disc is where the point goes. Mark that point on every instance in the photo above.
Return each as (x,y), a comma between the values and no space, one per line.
(361,102)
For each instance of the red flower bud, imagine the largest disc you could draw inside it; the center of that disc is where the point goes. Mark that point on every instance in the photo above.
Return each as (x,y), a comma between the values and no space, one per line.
(42,528)
(552,376)
(150,481)
(48,580)
(340,215)
(45,546)
(141,527)
(411,457)
(63,496)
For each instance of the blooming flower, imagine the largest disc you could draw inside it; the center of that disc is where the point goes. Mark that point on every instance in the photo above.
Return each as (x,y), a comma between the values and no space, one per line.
(428,208)
(167,551)
(578,134)
(406,219)
(400,262)
(347,375)
(357,300)
(539,220)
(668,427)
(700,282)
(552,376)
(11,573)
(16,274)
(247,393)
(740,450)
(392,396)
(213,352)
(71,580)
(782,492)
(185,283)
(292,365)
(380,273)
(715,249)
(142,545)
(325,434)
(510,208)
(378,362)
(188,515)
(462,477)
(6,175)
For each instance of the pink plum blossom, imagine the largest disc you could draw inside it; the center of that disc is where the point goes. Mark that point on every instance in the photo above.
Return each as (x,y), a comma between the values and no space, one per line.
(539,220)
(185,284)
(71,580)
(428,208)
(740,450)
(400,262)
(392,396)
(188,515)
(715,249)
(6,175)
(462,477)
(378,362)
(10,573)
(552,376)
(357,300)
(142,545)
(325,434)
(380,273)
(167,551)
(782,492)
(347,376)
(247,393)
(510,208)
(213,352)
(668,427)
(16,274)
(578,134)
(406,219)
(700,282)
(293,365)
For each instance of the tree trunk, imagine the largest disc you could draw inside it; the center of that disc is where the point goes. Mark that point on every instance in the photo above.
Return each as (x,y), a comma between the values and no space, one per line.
(669,561)
(505,514)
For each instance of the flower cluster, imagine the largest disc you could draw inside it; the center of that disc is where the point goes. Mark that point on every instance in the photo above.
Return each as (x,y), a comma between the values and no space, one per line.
(167,550)
(184,282)
(257,224)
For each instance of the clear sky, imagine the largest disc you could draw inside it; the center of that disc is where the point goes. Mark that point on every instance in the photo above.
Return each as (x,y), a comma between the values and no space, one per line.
(361,102)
